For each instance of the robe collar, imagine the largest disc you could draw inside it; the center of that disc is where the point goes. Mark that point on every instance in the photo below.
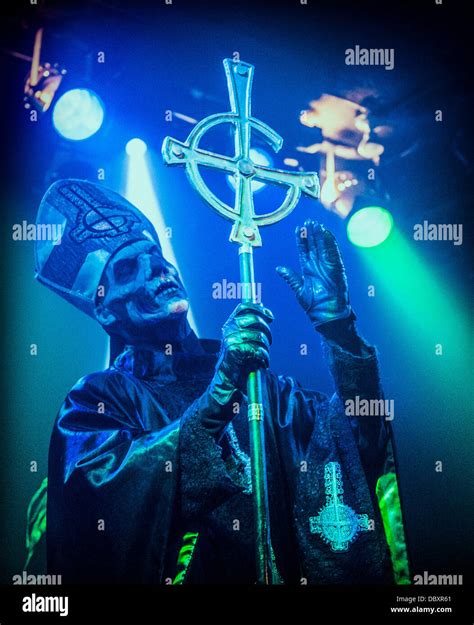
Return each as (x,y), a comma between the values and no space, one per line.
(196,358)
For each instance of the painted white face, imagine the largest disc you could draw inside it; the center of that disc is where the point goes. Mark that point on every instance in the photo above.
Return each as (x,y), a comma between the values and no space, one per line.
(143,290)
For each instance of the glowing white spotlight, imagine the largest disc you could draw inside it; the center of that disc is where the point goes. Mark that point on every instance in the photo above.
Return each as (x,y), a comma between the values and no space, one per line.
(136,147)
(78,114)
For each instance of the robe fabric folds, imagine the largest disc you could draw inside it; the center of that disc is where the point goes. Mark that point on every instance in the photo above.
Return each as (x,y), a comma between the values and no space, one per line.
(140,492)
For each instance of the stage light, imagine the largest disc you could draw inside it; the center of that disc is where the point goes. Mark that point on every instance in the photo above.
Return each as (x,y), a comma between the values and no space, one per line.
(43,79)
(369,226)
(136,147)
(41,88)
(329,192)
(78,114)
(425,310)
(140,191)
(259,157)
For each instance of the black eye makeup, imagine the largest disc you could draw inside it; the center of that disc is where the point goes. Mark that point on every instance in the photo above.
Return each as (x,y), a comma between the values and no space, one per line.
(125,269)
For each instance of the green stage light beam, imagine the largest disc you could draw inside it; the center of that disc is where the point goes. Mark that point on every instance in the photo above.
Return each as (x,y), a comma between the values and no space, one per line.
(427,311)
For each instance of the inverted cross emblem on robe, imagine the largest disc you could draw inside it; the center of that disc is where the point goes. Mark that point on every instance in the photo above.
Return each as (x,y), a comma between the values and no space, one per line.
(246,222)
(337,524)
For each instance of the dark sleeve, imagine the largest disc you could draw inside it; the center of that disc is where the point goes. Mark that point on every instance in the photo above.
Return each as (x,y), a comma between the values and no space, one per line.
(301,415)
(356,377)
(211,468)
(112,483)
(295,411)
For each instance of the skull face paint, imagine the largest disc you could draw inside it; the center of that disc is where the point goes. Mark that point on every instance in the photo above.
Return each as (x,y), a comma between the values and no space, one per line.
(144,300)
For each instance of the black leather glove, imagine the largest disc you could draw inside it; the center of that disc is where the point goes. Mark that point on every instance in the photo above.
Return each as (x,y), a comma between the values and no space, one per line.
(322,289)
(246,339)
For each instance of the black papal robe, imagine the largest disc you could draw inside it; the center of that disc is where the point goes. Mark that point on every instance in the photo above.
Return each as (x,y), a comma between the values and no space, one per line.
(140,492)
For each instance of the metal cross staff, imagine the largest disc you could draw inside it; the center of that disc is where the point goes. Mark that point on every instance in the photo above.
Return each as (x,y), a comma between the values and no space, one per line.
(245,231)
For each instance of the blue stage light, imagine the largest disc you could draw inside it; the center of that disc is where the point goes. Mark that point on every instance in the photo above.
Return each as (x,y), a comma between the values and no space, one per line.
(136,147)
(78,114)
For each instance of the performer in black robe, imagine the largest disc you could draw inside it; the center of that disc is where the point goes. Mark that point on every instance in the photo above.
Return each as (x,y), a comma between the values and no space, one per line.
(149,474)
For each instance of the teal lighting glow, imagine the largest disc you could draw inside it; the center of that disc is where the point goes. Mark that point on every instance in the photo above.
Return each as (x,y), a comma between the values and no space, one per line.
(78,114)
(370,226)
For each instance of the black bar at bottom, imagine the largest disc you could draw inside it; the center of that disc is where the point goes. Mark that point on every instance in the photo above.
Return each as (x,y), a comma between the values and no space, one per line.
(242,605)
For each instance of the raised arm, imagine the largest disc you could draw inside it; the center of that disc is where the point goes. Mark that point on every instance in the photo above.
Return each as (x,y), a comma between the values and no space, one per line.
(322,291)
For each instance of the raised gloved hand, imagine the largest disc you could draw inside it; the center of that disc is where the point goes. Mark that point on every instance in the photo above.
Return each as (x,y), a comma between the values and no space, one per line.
(246,340)
(322,288)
